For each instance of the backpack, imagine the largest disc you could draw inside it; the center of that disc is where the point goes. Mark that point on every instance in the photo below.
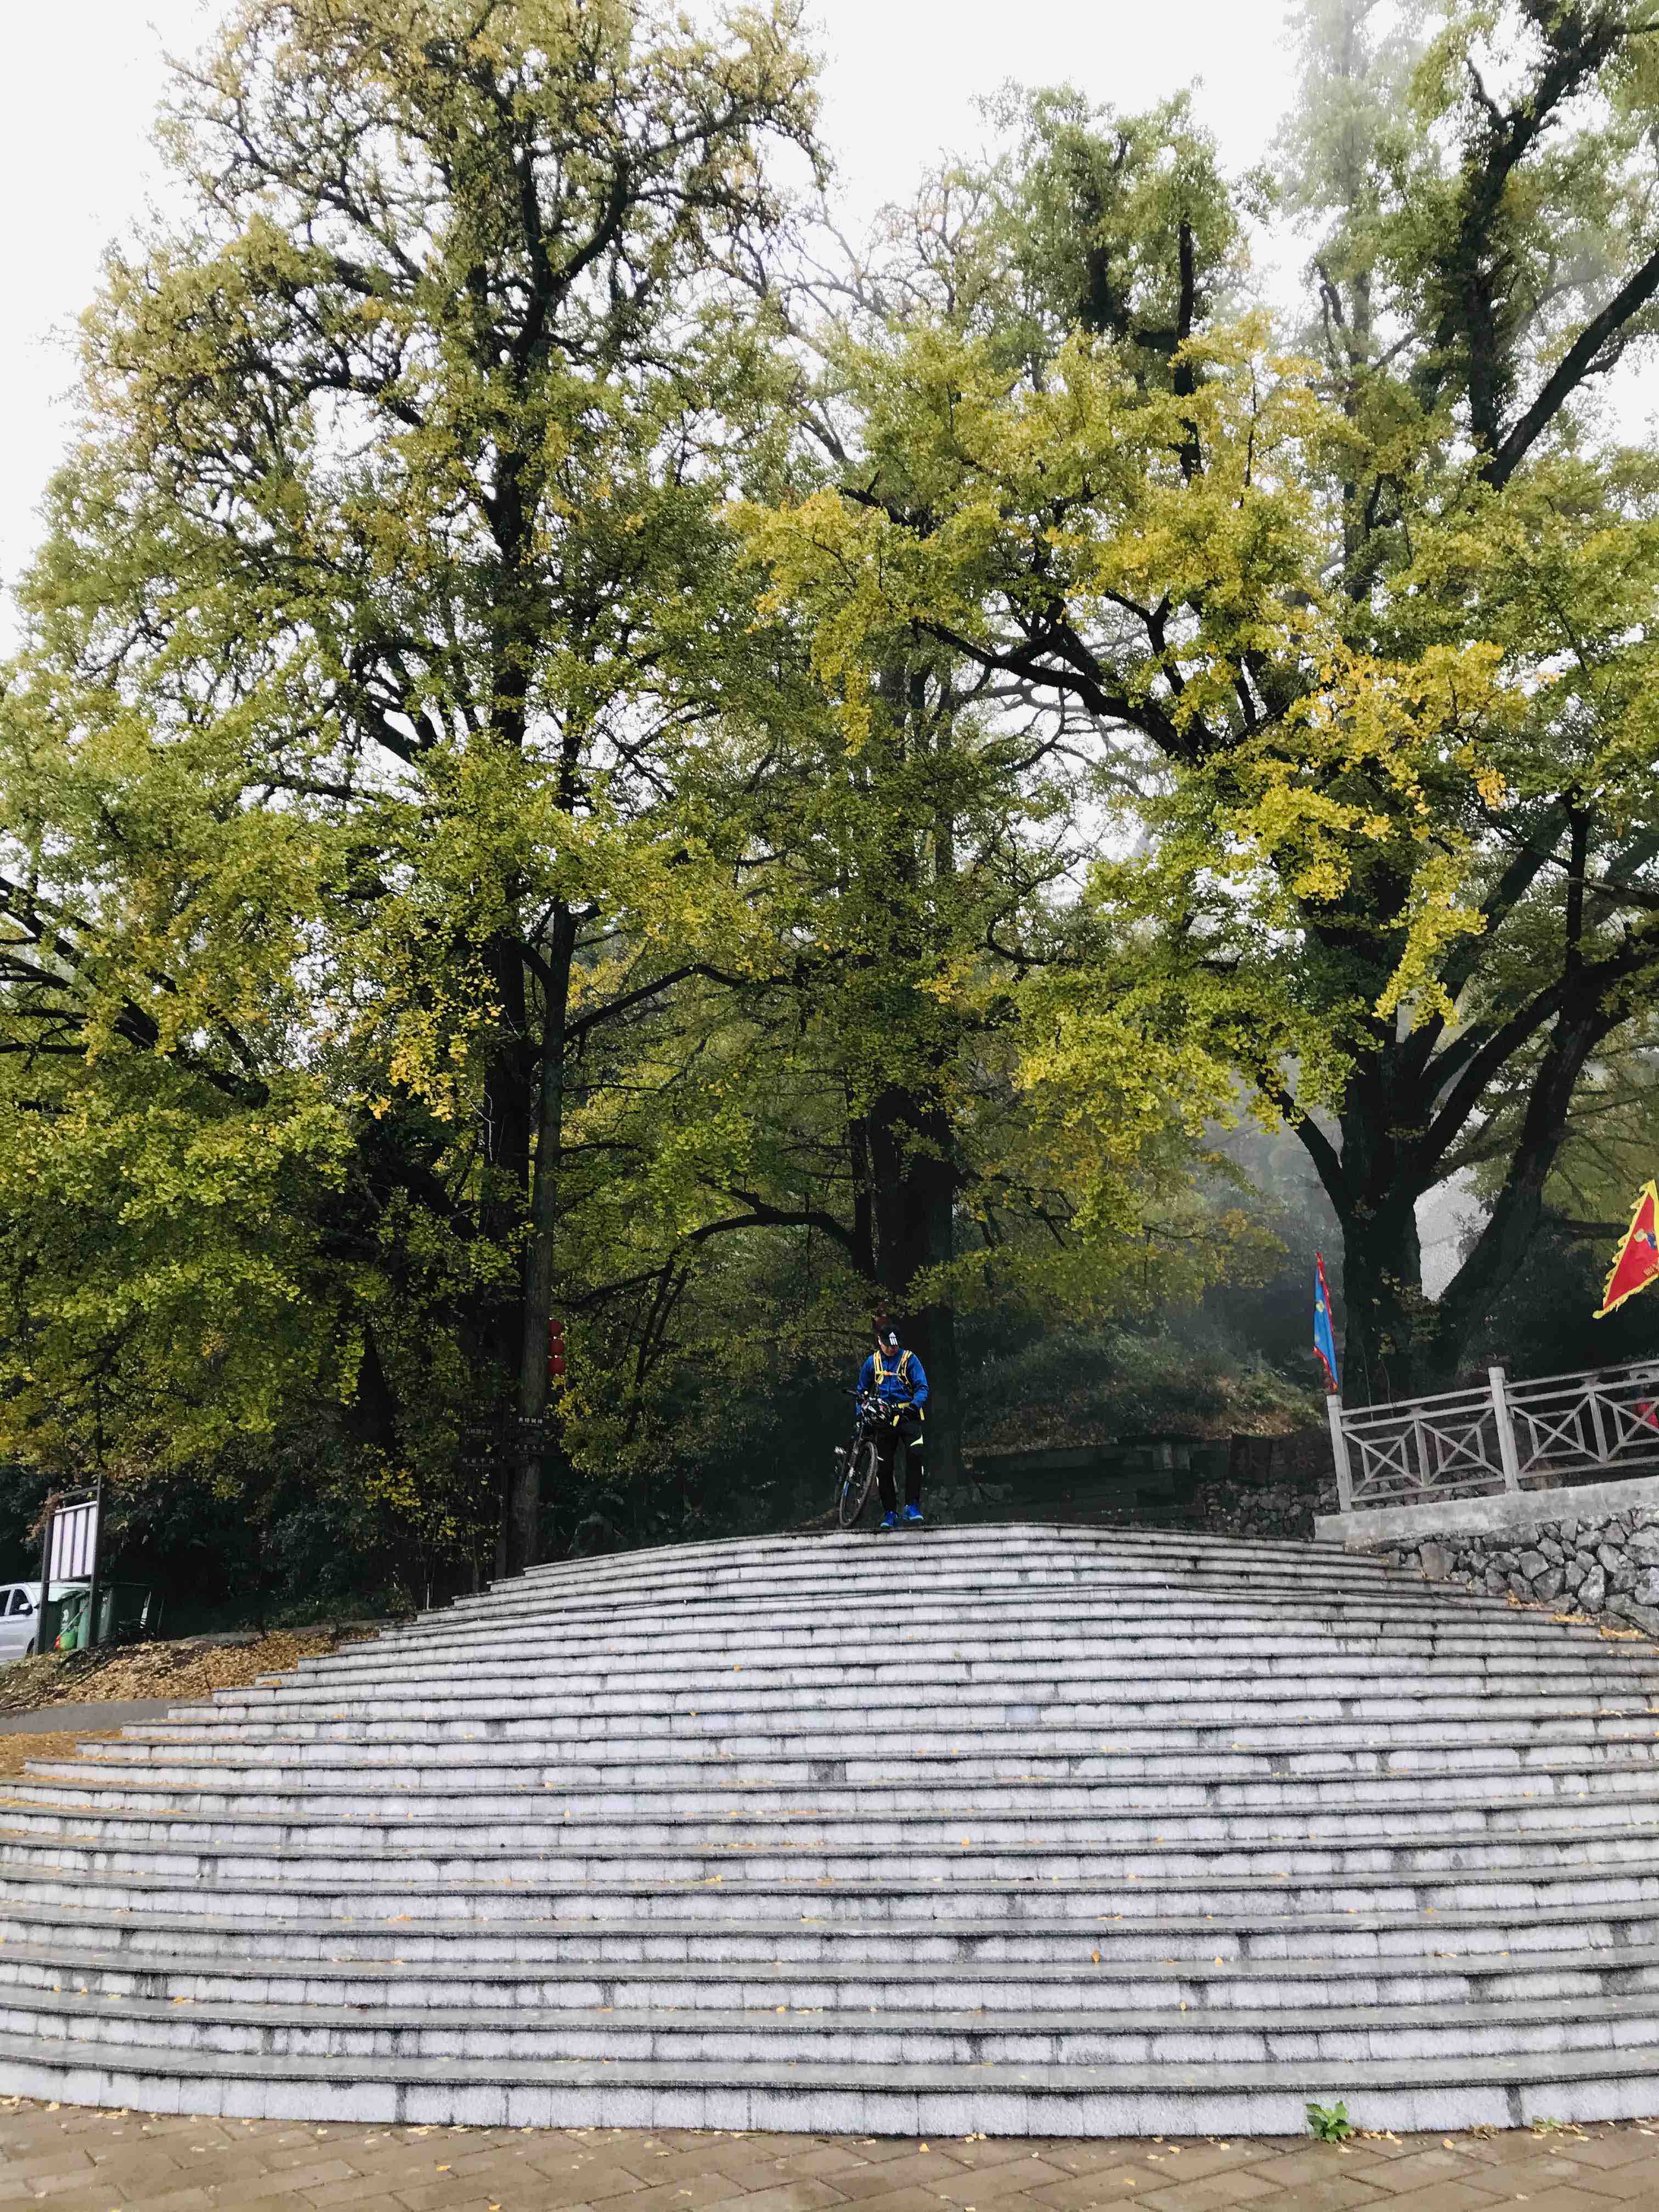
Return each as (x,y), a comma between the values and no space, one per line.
(898,1372)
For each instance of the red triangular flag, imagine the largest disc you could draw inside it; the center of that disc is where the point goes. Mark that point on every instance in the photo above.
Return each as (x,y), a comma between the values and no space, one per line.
(1638,1255)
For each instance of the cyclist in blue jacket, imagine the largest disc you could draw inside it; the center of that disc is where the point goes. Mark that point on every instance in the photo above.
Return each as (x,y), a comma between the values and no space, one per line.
(896,1376)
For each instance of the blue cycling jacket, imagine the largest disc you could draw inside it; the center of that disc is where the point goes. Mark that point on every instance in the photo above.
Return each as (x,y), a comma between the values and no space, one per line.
(900,1381)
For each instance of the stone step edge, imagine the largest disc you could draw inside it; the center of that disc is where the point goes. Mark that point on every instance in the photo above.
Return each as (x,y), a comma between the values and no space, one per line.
(1088,2100)
(1005,1743)
(735,1704)
(1143,1654)
(330,1754)
(1231,1972)
(114,1780)
(753,1739)
(962,1851)
(506,1695)
(714,1823)
(1160,1628)
(837,1599)
(1043,1645)
(833,1590)
(1211,1927)
(16,1873)
(1142,1682)
(955,1543)
(1052,1537)
(788,1541)
(775,1715)
(84,2005)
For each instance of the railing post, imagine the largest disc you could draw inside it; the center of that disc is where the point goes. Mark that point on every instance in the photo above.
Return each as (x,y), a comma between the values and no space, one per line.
(1592,1393)
(1426,1471)
(1340,1453)
(1505,1419)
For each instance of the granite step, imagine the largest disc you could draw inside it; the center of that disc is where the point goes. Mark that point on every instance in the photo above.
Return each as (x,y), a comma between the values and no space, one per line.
(1232,2098)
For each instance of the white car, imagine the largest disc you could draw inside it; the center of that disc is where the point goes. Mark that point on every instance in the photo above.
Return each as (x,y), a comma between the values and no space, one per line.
(19,1618)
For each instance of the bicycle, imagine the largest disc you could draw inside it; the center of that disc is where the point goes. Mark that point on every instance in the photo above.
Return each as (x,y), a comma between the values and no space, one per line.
(855,1462)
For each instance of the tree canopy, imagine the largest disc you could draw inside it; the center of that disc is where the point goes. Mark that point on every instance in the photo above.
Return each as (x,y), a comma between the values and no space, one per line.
(588,752)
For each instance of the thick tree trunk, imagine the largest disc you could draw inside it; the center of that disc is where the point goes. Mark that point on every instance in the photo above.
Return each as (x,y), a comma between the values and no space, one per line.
(1399,1343)
(523,1516)
(902,1154)
(1382,1253)
(373,1417)
(506,1106)
(1502,1246)
(914,1190)
(1383,1291)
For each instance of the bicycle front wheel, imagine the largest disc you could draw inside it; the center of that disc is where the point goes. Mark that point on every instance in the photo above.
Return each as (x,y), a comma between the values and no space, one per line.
(858,1485)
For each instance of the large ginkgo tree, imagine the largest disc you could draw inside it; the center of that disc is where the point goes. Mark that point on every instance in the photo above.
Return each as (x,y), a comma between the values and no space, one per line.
(339,765)
(1356,616)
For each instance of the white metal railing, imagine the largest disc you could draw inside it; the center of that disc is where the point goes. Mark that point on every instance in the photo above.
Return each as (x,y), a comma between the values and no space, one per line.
(1509,1436)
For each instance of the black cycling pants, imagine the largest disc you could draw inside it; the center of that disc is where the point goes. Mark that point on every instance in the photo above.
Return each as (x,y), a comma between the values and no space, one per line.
(909,1433)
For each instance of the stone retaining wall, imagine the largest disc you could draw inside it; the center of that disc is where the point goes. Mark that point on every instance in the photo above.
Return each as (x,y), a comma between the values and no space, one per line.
(1274,1512)
(1606,1567)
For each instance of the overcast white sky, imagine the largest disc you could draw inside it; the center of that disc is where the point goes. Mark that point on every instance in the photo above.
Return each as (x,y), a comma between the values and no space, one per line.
(79,83)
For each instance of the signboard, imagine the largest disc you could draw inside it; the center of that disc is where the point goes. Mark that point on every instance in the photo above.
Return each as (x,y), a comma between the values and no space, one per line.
(74,1542)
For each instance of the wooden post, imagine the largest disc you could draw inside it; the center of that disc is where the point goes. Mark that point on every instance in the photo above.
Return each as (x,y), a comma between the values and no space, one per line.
(1340,1453)
(46,1581)
(97,1549)
(1505,1419)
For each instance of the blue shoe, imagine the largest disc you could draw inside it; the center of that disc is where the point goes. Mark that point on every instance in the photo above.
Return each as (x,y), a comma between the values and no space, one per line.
(912,1516)
(888,1520)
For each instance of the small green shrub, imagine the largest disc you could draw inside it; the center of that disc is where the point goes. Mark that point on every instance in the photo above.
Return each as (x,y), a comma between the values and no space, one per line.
(1330,2123)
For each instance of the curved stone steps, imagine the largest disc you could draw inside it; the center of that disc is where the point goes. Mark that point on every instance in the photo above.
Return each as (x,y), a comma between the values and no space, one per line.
(1065,1830)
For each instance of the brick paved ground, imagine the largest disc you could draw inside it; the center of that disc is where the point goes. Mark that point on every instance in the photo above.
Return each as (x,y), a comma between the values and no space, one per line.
(80,2161)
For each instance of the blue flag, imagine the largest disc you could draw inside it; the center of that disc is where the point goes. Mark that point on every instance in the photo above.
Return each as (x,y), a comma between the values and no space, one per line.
(1324,1335)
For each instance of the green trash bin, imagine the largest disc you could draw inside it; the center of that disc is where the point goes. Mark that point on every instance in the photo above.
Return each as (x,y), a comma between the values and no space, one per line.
(124,1612)
(74,1611)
